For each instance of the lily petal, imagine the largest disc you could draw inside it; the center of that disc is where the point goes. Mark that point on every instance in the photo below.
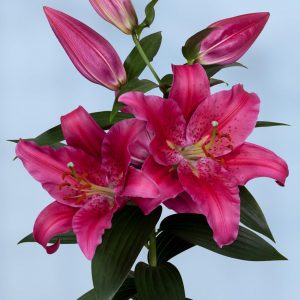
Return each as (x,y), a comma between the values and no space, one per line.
(92,55)
(50,167)
(139,185)
(82,131)
(217,196)
(190,87)
(236,113)
(166,180)
(183,203)
(251,161)
(89,224)
(115,149)
(55,219)
(164,119)
(231,38)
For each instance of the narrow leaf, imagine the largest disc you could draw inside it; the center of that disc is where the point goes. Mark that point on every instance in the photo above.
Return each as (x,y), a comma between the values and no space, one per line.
(214,82)
(134,64)
(66,238)
(120,248)
(194,229)
(269,124)
(90,295)
(162,282)
(126,291)
(169,245)
(140,85)
(252,215)
(149,15)
(54,135)
(211,70)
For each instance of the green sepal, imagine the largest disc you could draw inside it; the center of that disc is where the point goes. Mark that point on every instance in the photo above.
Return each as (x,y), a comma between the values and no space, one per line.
(194,229)
(192,46)
(162,282)
(134,64)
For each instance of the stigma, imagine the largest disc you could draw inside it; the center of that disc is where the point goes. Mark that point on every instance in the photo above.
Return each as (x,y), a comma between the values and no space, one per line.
(83,188)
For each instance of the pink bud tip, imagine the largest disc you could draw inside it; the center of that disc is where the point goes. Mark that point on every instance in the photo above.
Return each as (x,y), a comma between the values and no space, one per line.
(231,38)
(120,13)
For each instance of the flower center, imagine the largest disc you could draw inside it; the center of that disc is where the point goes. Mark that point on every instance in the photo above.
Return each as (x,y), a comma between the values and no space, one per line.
(201,148)
(83,187)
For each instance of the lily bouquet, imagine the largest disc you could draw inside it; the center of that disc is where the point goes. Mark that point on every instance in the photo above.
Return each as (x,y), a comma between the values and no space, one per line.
(111,173)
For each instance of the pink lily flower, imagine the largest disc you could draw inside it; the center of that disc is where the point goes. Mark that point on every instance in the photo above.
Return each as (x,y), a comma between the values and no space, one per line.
(198,156)
(120,13)
(231,38)
(92,55)
(90,179)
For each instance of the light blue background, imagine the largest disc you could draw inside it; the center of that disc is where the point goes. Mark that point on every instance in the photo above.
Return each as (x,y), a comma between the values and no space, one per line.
(38,84)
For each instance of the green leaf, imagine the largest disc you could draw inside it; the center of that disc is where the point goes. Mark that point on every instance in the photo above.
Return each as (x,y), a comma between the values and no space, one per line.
(134,64)
(211,70)
(125,292)
(120,247)
(252,215)
(149,16)
(192,46)
(169,245)
(54,135)
(90,295)
(214,82)
(194,229)
(140,85)
(269,124)
(66,238)
(162,282)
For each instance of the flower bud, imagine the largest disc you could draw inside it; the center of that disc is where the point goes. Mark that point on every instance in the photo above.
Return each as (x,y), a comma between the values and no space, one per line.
(91,54)
(231,38)
(120,13)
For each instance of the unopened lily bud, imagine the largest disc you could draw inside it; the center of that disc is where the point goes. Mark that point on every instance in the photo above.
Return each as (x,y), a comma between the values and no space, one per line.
(120,13)
(231,38)
(92,55)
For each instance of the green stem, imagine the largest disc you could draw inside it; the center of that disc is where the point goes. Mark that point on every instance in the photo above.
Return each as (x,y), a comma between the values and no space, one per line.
(152,250)
(144,57)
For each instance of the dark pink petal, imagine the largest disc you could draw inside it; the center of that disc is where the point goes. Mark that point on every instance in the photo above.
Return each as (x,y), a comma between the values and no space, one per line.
(115,149)
(235,111)
(89,224)
(139,150)
(164,120)
(231,38)
(190,87)
(164,117)
(55,219)
(50,167)
(81,131)
(250,161)
(139,185)
(183,203)
(167,181)
(91,54)
(217,196)
(120,13)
